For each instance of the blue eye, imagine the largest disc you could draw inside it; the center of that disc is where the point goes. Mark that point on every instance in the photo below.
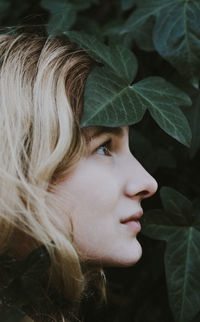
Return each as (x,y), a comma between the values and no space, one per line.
(104,148)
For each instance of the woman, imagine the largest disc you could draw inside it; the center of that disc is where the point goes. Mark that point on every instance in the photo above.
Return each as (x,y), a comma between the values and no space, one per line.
(76,191)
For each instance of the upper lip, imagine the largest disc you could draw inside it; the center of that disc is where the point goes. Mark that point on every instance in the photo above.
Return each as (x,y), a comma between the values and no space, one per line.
(137,215)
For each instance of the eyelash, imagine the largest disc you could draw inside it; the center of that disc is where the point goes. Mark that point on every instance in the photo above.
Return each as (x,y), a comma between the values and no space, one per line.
(106,144)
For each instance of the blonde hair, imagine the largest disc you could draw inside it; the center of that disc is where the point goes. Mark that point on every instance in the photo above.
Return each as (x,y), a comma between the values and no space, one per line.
(41,98)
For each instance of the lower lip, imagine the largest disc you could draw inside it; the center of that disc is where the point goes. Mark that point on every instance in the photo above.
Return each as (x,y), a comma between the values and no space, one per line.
(133,225)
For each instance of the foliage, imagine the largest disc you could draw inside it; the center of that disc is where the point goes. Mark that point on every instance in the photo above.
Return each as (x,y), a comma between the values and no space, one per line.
(18,277)
(147,73)
(178,224)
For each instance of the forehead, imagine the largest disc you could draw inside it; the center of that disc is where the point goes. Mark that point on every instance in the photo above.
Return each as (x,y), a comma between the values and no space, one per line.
(94,131)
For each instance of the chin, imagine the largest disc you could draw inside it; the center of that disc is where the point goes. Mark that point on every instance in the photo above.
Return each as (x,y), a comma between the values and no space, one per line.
(131,260)
(127,258)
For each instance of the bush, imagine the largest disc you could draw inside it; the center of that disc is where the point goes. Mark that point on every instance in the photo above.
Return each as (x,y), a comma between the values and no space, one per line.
(147,75)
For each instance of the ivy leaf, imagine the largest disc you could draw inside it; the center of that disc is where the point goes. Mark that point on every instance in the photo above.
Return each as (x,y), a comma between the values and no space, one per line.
(109,101)
(57,6)
(127,4)
(105,91)
(182,271)
(182,259)
(11,12)
(54,6)
(20,277)
(141,22)
(176,36)
(63,16)
(89,24)
(82,5)
(119,58)
(11,314)
(196,205)
(194,120)
(4,6)
(145,9)
(112,32)
(162,100)
(158,224)
(63,13)
(37,262)
(143,35)
(151,156)
(176,204)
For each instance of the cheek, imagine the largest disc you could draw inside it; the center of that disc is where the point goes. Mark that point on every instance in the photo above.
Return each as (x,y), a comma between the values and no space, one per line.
(94,186)
(95,200)
(90,196)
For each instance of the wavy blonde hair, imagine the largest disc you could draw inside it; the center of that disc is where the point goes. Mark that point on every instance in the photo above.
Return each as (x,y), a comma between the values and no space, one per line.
(41,100)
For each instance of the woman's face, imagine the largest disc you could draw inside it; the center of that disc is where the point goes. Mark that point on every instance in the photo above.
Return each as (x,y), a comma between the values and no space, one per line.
(103,196)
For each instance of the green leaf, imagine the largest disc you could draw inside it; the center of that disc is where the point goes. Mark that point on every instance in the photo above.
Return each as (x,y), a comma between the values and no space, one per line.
(145,10)
(125,62)
(158,225)
(194,120)
(141,22)
(127,4)
(63,16)
(119,58)
(177,36)
(38,261)
(89,24)
(151,156)
(196,205)
(12,314)
(57,6)
(54,6)
(112,33)
(162,100)
(4,6)
(11,12)
(182,262)
(21,276)
(109,101)
(182,259)
(82,5)
(144,34)
(176,204)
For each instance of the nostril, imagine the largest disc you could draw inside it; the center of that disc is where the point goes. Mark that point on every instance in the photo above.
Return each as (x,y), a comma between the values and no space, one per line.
(149,190)
(152,188)
(143,194)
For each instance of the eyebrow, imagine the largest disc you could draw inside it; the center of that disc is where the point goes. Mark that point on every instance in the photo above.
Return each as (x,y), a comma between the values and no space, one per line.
(107,130)
(100,130)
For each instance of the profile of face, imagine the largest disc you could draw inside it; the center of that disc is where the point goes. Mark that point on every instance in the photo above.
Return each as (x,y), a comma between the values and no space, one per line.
(103,196)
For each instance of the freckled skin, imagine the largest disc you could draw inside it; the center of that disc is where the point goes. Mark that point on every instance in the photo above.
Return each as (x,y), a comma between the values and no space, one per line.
(102,190)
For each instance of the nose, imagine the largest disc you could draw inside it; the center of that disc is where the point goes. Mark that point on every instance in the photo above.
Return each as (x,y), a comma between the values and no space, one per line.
(139,184)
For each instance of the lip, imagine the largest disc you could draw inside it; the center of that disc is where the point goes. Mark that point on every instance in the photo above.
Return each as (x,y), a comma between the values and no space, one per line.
(132,222)
(136,216)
